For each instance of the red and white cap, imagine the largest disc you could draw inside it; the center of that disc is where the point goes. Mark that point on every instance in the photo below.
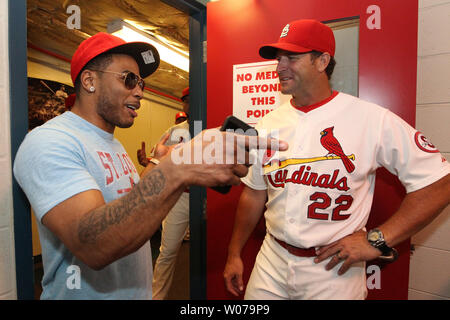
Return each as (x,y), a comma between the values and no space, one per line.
(146,56)
(70,101)
(180,115)
(184,93)
(302,36)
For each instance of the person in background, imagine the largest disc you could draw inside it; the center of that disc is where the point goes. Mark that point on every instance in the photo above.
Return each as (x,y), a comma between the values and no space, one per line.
(69,101)
(181,126)
(175,227)
(95,213)
(318,194)
(180,117)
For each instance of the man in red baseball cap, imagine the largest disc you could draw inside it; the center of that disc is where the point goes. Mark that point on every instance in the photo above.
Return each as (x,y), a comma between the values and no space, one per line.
(316,245)
(185,99)
(145,55)
(184,93)
(101,59)
(180,117)
(304,36)
(70,101)
(82,180)
(96,214)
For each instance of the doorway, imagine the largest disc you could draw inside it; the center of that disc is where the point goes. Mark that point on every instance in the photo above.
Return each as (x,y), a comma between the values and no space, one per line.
(48,63)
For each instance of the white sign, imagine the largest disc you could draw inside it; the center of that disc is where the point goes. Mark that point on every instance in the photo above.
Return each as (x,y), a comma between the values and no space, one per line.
(256,90)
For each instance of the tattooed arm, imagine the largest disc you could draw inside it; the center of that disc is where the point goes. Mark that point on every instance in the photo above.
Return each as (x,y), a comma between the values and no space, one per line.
(99,233)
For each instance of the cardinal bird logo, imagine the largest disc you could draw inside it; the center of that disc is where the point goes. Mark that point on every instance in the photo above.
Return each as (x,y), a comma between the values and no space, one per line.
(268,155)
(333,146)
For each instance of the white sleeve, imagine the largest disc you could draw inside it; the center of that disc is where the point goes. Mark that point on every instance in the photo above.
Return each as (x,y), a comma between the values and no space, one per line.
(406,152)
(152,151)
(255,177)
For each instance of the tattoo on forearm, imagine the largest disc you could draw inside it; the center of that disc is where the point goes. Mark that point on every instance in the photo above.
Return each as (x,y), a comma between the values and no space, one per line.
(99,220)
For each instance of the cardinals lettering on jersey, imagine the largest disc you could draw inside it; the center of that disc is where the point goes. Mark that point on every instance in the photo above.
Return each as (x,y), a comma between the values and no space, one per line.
(333,146)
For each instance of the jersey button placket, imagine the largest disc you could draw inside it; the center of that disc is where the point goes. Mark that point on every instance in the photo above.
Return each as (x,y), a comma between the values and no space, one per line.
(291,211)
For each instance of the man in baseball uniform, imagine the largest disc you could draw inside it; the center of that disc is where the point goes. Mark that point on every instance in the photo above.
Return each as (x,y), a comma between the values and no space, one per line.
(318,194)
(175,226)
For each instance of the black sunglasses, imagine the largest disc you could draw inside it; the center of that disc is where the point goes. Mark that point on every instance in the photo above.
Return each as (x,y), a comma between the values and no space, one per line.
(130,79)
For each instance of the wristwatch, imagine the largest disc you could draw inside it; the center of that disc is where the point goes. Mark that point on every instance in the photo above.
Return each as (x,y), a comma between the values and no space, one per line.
(376,240)
(154,161)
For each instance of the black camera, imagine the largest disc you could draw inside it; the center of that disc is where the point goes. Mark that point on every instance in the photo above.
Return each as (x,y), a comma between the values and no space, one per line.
(235,124)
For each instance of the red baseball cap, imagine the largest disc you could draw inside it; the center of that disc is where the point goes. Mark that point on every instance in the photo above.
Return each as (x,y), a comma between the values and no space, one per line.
(302,36)
(185,93)
(180,115)
(70,101)
(146,56)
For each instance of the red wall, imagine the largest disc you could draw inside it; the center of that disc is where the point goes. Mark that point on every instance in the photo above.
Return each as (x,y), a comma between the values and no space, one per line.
(387,76)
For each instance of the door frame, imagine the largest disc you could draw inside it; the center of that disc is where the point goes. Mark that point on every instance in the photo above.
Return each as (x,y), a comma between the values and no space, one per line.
(197,112)
(17,35)
(17,43)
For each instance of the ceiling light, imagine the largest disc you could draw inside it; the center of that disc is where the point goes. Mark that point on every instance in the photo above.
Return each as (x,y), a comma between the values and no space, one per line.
(167,53)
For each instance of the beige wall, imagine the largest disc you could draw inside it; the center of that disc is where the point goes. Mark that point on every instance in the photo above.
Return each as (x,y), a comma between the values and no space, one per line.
(7,257)
(430,262)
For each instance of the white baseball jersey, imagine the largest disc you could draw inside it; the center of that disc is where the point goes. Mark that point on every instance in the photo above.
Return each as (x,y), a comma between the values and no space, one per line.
(178,133)
(315,196)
